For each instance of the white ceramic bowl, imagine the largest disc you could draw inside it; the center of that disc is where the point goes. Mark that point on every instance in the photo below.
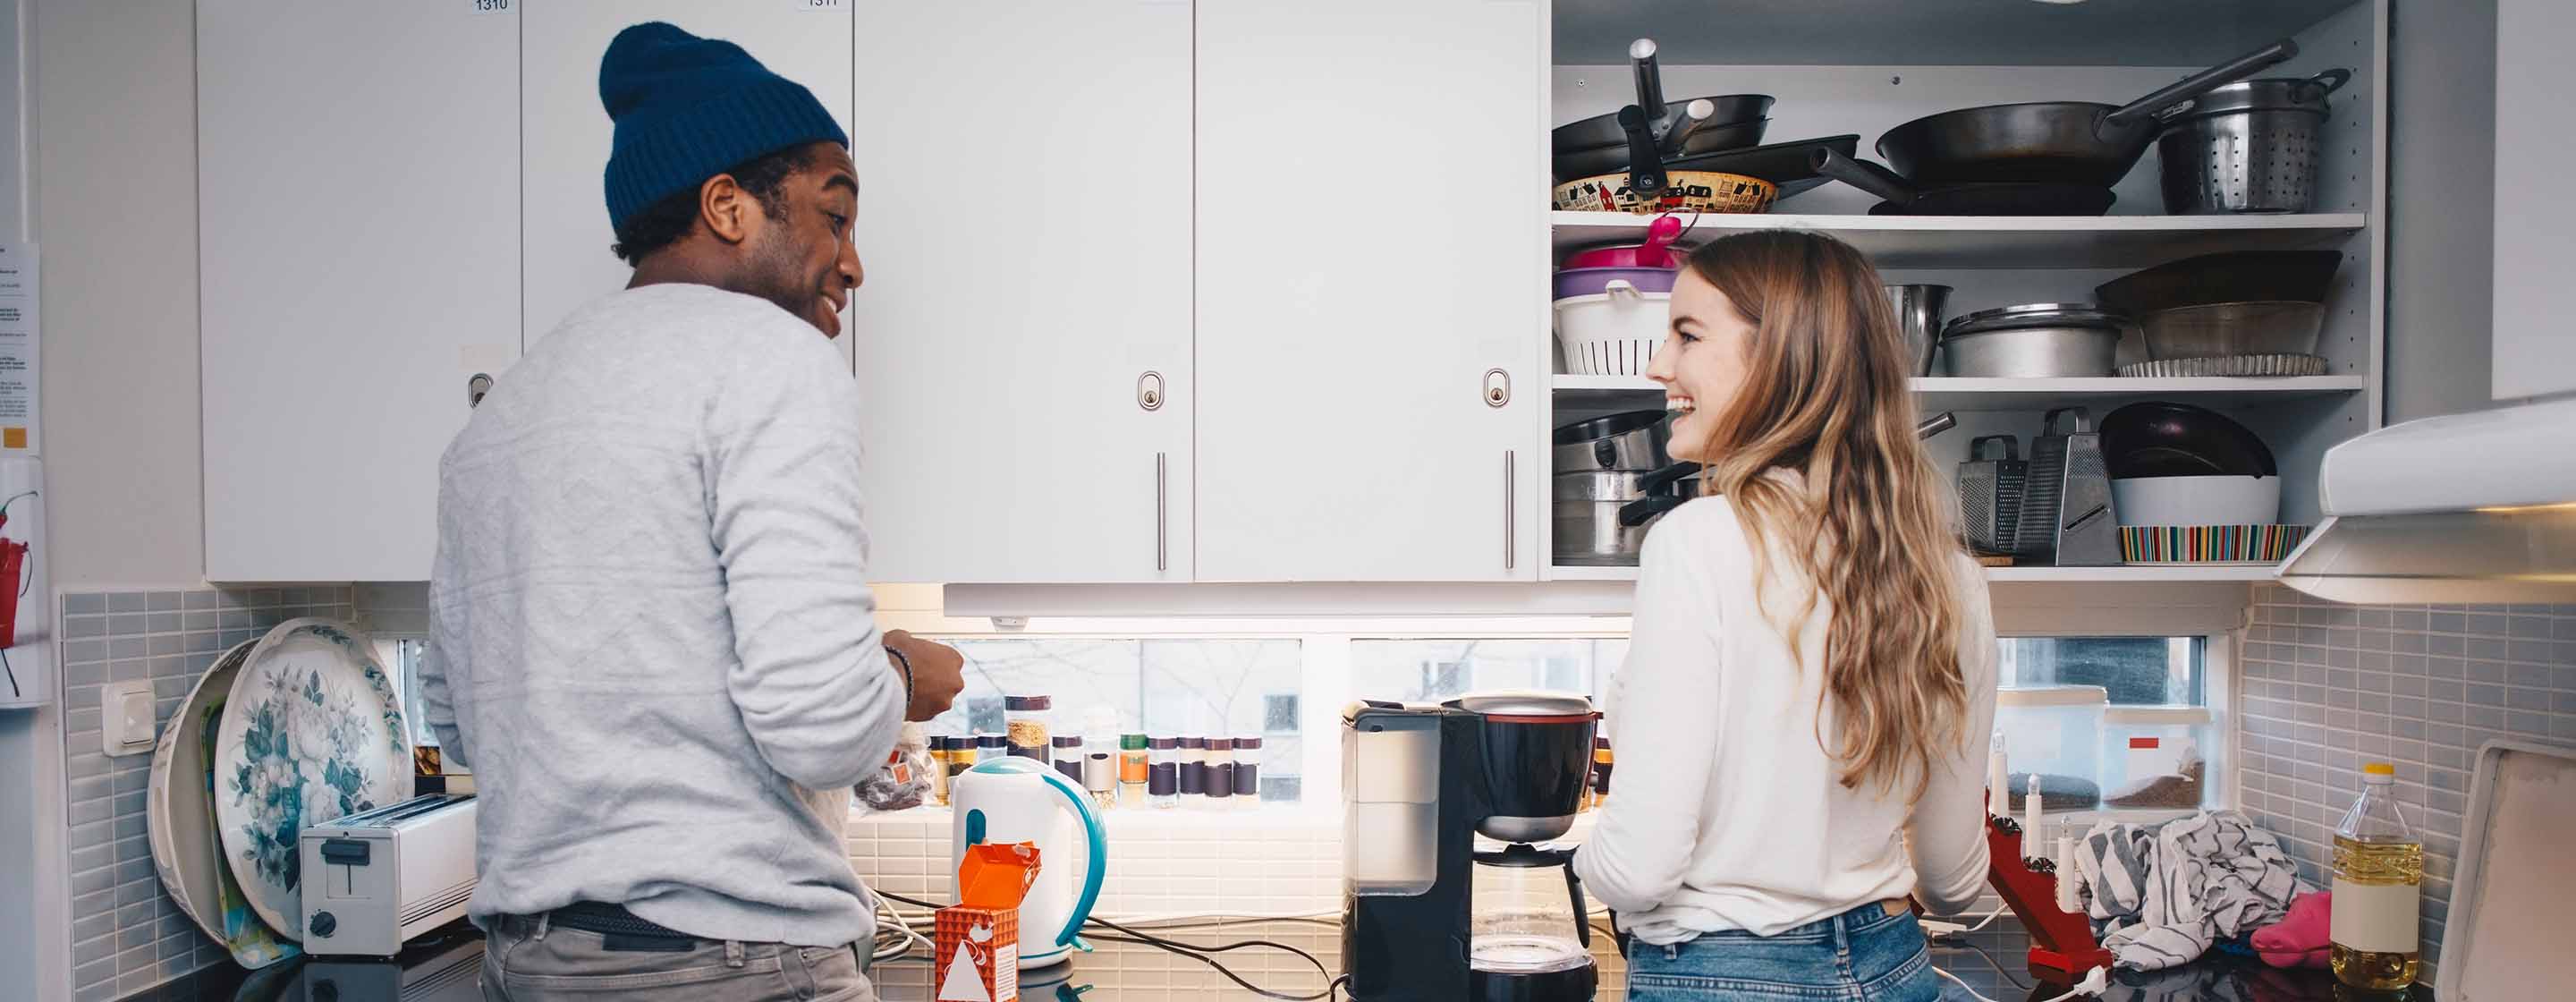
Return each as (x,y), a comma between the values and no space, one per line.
(2197,500)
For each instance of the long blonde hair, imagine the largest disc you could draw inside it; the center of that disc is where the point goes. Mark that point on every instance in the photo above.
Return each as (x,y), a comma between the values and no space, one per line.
(1826,394)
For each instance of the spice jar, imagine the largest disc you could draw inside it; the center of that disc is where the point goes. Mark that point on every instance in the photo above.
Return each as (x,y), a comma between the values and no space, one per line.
(1068,757)
(1247,769)
(1135,765)
(1220,769)
(1100,779)
(1163,772)
(990,748)
(1025,719)
(1193,767)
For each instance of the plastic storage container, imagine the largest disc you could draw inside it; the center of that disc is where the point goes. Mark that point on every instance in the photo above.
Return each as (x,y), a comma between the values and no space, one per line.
(2054,732)
(2155,757)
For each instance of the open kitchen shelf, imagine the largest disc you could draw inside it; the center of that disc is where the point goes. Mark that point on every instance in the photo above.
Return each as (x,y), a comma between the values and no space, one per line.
(1995,241)
(2158,574)
(1948,393)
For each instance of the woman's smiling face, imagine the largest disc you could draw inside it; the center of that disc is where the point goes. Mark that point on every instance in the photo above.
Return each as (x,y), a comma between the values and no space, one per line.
(1701,363)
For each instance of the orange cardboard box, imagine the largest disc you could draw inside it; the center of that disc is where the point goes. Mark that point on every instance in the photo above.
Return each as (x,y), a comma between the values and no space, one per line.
(978,939)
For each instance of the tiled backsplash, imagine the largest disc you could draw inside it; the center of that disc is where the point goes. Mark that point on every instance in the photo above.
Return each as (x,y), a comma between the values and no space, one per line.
(2325,687)
(126,933)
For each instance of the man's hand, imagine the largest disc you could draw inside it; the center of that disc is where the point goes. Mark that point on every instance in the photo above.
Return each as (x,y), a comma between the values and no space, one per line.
(938,673)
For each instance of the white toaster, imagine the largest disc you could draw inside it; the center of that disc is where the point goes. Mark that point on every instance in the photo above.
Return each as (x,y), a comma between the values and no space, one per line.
(375,879)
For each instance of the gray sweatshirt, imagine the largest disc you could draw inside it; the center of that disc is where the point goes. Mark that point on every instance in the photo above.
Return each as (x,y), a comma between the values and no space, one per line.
(651,634)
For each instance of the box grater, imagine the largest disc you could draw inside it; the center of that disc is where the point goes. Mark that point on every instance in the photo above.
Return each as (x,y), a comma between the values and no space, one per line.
(1990,494)
(2066,516)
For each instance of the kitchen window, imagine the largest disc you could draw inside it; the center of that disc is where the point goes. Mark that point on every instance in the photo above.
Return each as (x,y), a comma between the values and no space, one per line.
(1102,687)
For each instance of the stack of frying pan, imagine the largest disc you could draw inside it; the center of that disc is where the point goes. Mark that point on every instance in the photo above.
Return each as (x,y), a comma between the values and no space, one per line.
(2047,158)
(1630,158)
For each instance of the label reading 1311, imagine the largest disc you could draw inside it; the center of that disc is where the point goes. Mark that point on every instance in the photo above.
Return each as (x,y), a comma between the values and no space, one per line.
(491,6)
(824,6)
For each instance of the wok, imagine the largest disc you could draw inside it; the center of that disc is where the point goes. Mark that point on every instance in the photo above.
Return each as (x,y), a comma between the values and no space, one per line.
(1994,199)
(2228,277)
(2064,142)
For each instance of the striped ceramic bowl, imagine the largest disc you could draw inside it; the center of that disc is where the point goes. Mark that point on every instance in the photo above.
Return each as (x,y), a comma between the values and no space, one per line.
(2209,544)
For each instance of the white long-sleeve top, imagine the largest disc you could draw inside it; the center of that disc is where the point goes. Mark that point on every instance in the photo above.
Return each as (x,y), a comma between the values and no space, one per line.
(651,632)
(1726,812)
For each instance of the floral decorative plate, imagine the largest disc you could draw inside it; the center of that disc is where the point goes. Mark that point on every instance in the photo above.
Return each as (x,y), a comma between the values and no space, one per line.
(181,816)
(312,731)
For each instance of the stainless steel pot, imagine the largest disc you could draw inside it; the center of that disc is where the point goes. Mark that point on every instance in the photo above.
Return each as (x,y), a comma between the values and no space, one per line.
(2034,340)
(1586,513)
(1918,317)
(2248,147)
(1631,441)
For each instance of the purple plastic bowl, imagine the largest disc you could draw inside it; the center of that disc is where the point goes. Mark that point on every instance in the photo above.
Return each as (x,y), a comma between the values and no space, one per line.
(1573,282)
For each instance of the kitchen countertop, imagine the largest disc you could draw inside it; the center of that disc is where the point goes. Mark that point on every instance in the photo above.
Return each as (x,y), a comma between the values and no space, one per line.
(1124,972)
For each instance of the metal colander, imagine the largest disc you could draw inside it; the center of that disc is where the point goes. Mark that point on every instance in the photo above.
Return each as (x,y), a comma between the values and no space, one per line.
(2248,147)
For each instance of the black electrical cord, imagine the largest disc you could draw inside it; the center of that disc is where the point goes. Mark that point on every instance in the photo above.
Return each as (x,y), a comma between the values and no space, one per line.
(1194,951)
(14,692)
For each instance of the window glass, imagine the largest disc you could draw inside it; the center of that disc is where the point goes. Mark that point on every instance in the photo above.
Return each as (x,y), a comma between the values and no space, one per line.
(2137,671)
(1426,671)
(1101,688)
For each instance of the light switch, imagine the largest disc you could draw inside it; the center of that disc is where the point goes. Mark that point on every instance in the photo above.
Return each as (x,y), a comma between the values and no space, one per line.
(126,720)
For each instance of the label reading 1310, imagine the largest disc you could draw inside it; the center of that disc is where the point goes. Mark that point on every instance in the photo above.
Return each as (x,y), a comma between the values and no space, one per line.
(490,6)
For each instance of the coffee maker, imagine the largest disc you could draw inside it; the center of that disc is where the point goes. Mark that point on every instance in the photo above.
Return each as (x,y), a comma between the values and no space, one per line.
(1419,783)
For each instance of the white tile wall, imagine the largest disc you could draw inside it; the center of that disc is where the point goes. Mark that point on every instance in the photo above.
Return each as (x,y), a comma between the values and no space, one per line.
(2325,687)
(127,935)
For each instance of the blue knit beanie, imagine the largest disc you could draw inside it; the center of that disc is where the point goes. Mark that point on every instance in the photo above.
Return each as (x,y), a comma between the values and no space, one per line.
(688,108)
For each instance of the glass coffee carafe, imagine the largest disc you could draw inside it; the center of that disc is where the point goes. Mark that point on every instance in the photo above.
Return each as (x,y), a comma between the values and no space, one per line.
(1529,938)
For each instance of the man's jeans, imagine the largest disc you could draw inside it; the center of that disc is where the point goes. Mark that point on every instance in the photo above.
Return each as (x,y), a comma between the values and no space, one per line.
(531,960)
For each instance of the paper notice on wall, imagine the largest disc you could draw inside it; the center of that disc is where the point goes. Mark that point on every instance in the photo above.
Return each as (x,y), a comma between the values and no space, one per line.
(19,408)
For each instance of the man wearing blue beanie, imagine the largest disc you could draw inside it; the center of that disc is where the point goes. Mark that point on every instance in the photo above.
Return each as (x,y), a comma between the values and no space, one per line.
(651,633)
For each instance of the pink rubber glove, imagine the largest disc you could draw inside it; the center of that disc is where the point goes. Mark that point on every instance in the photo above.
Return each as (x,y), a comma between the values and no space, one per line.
(2301,938)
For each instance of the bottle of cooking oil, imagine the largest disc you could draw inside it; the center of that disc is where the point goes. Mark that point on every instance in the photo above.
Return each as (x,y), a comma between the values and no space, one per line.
(2378,882)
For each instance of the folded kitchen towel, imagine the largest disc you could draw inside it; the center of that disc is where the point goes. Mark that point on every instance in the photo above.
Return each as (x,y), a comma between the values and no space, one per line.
(2304,938)
(2160,894)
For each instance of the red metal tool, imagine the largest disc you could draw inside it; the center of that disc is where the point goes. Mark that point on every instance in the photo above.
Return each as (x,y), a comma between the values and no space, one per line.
(2061,943)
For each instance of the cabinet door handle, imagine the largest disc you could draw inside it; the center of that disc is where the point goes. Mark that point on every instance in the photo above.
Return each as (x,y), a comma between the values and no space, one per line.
(1511,507)
(476,387)
(1162,513)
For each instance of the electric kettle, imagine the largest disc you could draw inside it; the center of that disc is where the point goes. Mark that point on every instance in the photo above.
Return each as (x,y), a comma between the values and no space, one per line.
(1022,800)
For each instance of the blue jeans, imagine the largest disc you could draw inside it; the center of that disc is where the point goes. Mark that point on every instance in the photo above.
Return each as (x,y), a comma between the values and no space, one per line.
(1862,955)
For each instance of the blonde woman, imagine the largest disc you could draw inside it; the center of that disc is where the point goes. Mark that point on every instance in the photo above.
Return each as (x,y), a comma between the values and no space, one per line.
(1802,718)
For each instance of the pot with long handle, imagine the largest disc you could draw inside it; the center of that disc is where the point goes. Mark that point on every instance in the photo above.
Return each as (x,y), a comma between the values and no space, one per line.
(1645,170)
(1655,502)
(2071,142)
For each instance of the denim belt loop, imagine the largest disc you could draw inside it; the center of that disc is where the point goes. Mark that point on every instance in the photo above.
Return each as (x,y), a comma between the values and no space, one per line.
(733,953)
(545,924)
(1842,932)
(1672,951)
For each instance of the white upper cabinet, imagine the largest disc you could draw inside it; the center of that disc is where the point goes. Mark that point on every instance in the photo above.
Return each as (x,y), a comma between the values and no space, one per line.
(563,191)
(359,264)
(2535,138)
(1023,335)
(1344,428)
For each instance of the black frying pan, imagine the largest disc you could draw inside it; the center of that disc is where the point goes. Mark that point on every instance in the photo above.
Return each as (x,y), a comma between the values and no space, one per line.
(1601,131)
(1998,199)
(2058,142)
(1709,138)
(1786,165)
